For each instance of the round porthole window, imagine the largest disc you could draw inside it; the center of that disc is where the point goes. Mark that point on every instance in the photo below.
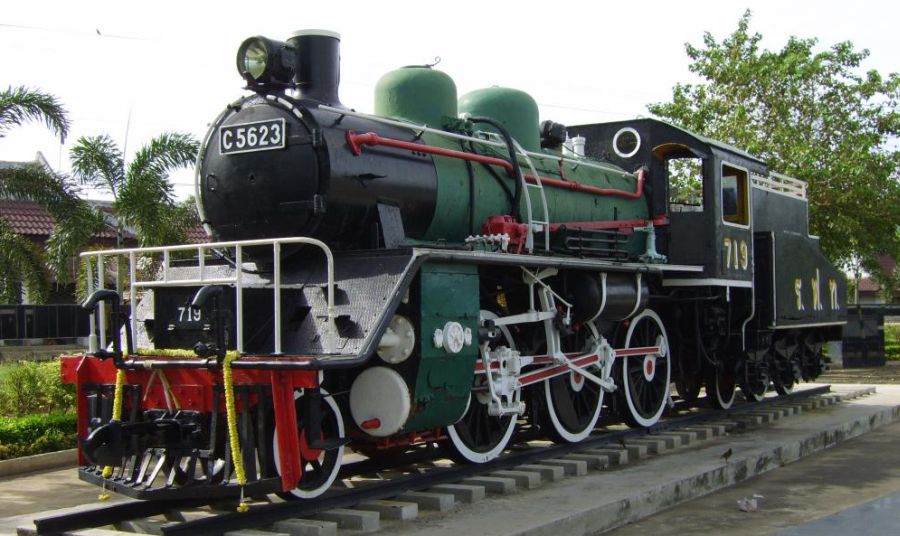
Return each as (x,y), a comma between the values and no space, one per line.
(626,142)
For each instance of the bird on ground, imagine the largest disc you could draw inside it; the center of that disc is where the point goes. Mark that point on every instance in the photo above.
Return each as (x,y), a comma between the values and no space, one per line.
(622,442)
(726,455)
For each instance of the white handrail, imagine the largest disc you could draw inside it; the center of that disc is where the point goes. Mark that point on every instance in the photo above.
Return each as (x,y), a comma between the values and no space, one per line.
(782,184)
(237,280)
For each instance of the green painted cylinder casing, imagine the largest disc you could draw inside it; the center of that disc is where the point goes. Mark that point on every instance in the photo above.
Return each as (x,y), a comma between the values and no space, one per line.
(455,199)
(448,293)
(417,94)
(515,109)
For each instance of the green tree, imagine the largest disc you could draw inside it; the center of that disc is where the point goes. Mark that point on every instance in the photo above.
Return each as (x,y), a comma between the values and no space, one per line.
(22,263)
(141,189)
(809,114)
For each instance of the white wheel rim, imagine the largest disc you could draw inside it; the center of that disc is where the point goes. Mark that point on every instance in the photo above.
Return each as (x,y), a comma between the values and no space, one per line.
(756,397)
(476,456)
(310,493)
(644,421)
(455,439)
(723,403)
(573,437)
(749,394)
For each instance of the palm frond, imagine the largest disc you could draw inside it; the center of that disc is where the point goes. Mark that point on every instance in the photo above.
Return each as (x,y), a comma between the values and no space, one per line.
(164,154)
(98,161)
(33,182)
(21,261)
(70,236)
(145,201)
(142,203)
(21,104)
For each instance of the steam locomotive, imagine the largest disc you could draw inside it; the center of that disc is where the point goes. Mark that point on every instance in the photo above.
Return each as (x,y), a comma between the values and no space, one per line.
(438,273)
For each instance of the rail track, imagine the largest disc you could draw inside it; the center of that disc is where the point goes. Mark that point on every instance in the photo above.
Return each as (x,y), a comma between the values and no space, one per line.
(384,490)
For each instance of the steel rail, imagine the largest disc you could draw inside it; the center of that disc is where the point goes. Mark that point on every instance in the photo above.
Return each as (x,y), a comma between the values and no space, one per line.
(113,513)
(266,514)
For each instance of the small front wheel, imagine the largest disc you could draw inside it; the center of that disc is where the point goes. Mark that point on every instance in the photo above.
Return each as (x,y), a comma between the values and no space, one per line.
(318,468)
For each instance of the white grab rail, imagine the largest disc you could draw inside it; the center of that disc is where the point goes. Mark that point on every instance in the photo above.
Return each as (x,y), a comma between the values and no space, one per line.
(164,278)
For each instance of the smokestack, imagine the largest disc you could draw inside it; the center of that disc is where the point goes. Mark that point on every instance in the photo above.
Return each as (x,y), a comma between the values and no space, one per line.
(317,68)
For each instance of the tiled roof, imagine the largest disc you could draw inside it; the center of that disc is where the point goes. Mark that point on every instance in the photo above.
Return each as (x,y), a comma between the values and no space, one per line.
(867,284)
(196,235)
(32,220)
(27,218)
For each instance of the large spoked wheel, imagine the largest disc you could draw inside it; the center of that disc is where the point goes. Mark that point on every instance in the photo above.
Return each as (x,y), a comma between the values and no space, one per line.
(720,387)
(573,402)
(479,437)
(753,383)
(318,468)
(645,378)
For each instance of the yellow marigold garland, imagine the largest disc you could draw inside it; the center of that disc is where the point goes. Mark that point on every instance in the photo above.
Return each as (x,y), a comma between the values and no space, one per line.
(116,416)
(233,438)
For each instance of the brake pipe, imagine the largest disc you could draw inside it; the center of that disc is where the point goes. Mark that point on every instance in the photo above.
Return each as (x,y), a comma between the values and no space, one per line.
(357,141)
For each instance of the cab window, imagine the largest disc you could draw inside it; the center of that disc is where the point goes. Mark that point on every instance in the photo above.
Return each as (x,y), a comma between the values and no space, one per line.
(685,184)
(735,207)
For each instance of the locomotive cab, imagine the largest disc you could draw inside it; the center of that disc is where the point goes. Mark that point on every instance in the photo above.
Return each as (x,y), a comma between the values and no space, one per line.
(702,185)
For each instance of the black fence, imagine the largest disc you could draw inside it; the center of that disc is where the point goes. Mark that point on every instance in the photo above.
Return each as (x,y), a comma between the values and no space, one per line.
(864,335)
(50,323)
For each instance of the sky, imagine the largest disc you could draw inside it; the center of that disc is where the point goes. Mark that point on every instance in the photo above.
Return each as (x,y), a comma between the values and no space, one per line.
(135,69)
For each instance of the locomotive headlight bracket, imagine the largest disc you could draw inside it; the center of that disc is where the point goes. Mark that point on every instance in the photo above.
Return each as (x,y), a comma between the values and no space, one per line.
(265,63)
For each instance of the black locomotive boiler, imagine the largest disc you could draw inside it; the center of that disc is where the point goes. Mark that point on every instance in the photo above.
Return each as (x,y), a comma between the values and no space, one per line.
(439,272)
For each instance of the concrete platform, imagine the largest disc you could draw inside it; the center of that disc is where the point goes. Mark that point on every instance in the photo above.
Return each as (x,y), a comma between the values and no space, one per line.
(39,462)
(850,489)
(606,499)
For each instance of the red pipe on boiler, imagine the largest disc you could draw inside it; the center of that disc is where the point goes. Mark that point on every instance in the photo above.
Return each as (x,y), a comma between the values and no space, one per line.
(357,141)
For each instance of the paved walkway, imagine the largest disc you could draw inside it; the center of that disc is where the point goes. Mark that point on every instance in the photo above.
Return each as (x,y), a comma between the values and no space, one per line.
(874,517)
(836,487)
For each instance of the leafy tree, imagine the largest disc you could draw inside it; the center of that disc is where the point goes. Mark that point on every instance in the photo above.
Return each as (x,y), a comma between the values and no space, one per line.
(809,114)
(141,189)
(21,261)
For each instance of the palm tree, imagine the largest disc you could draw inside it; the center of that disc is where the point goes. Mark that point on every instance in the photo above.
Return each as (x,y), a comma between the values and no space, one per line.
(141,189)
(21,261)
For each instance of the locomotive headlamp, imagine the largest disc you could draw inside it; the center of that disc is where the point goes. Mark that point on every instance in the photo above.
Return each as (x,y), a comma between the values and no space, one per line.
(264,62)
(255,59)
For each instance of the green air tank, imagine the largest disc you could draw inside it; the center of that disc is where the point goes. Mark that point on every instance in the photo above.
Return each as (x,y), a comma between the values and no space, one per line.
(418,94)
(514,108)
